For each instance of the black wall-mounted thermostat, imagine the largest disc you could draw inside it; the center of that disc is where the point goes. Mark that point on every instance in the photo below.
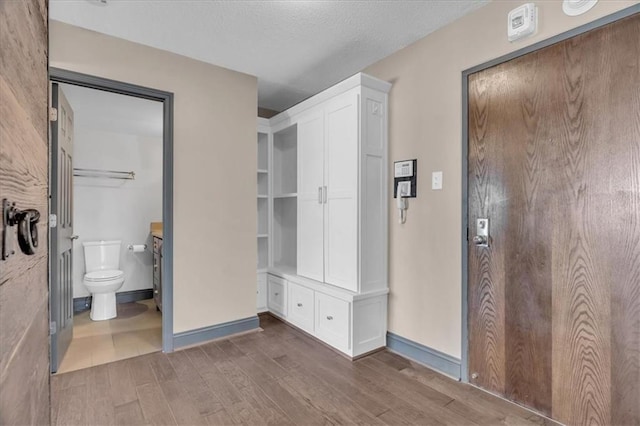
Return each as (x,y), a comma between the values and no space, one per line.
(405,178)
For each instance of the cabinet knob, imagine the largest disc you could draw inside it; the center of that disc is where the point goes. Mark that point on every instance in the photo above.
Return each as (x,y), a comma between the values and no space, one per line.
(299,305)
(155,291)
(329,317)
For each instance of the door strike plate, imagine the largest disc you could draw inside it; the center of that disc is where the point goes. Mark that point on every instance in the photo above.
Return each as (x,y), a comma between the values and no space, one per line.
(8,221)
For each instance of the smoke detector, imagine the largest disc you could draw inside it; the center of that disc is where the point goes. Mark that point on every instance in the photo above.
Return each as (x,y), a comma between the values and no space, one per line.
(577,7)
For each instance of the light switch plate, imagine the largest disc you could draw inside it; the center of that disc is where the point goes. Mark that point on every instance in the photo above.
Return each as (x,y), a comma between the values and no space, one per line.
(436,180)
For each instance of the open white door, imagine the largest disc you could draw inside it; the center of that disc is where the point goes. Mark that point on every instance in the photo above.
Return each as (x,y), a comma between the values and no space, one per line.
(61,236)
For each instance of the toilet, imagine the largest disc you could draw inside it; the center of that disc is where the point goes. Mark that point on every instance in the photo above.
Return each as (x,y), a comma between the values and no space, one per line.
(102,277)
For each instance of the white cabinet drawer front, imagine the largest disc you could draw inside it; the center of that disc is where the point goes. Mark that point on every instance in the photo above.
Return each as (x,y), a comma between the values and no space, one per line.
(301,306)
(261,293)
(277,299)
(332,320)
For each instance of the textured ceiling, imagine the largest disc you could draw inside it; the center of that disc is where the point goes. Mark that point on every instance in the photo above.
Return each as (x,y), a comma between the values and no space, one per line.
(295,48)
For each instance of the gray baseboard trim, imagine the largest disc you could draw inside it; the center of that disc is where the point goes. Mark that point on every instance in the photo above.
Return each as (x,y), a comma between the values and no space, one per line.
(81,304)
(192,337)
(134,295)
(432,358)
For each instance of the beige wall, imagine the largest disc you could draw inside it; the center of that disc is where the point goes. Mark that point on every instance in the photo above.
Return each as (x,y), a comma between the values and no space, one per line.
(426,123)
(214,167)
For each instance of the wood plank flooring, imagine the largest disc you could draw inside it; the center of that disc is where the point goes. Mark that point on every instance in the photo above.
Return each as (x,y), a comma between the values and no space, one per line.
(276,376)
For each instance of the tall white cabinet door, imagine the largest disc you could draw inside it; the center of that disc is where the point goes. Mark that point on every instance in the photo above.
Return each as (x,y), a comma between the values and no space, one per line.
(341,179)
(310,197)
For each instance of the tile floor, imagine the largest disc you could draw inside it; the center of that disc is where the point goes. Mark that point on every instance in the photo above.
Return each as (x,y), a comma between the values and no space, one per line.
(136,331)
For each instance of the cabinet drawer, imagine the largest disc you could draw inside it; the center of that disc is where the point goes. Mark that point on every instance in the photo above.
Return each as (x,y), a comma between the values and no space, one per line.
(156,267)
(261,293)
(277,295)
(332,320)
(301,307)
(157,244)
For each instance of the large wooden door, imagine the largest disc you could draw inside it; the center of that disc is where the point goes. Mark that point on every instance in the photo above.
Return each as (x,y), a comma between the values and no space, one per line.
(62,234)
(554,164)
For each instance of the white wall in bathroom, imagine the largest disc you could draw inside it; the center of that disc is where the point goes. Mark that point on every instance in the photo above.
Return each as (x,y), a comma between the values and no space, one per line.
(113,209)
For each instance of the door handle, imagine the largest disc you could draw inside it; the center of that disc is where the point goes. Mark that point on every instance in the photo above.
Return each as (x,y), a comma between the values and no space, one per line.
(319,195)
(74,237)
(27,223)
(480,240)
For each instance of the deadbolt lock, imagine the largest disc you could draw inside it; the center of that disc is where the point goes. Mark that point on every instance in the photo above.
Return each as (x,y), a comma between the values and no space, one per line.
(481,238)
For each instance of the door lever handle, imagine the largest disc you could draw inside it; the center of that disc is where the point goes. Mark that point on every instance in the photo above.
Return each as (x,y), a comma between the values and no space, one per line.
(480,240)
(74,237)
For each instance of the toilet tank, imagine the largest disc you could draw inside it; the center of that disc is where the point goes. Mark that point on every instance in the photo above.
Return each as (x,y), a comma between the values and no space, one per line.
(101,255)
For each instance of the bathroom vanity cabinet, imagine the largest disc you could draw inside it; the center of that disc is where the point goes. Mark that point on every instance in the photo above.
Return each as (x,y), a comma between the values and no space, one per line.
(157,271)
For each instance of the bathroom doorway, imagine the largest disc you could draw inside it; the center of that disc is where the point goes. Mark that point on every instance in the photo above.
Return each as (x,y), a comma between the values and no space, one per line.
(111,192)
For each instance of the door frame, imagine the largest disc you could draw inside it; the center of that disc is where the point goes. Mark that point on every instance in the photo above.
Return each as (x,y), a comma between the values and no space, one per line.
(465,230)
(57,75)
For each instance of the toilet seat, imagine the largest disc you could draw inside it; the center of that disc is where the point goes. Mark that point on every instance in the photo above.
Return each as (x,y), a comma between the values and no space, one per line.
(105,275)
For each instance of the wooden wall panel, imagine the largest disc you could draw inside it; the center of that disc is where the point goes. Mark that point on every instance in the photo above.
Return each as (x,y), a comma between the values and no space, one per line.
(528,292)
(486,266)
(24,316)
(581,296)
(620,101)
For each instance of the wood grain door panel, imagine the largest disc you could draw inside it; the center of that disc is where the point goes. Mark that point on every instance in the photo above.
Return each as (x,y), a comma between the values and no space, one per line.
(554,163)
(24,162)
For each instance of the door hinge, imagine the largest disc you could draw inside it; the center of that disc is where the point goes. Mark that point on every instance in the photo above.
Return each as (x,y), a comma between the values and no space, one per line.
(53,220)
(53,328)
(53,114)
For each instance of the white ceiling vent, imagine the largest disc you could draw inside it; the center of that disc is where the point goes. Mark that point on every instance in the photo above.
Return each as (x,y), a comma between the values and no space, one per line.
(577,7)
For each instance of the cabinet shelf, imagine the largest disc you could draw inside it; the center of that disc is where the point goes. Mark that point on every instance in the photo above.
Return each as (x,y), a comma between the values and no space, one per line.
(289,195)
(285,163)
(263,196)
(262,171)
(263,235)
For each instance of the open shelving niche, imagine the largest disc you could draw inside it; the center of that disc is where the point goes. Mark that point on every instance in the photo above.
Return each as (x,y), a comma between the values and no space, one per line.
(263,200)
(284,193)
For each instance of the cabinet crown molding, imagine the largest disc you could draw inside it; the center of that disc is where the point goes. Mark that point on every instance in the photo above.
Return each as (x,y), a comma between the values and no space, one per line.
(357,80)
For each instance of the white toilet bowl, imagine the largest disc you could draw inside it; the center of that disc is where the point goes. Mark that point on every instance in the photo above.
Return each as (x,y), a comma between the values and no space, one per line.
(103,277)
(103,286)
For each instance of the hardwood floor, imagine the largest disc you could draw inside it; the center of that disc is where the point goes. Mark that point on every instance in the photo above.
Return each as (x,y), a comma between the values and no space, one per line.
(277,376)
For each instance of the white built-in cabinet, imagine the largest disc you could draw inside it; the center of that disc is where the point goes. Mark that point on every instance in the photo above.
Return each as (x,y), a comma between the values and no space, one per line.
(327,215)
